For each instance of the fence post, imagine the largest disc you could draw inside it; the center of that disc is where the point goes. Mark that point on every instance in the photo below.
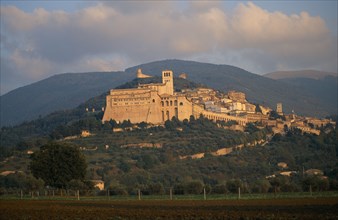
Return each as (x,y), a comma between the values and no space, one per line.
(139,194)
(205,196)
(78,195)
(171,193)
(311,190)
(20,194)
(239,192)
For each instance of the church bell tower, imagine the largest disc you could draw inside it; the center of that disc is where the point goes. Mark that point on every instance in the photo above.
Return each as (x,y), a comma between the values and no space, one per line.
(168,80)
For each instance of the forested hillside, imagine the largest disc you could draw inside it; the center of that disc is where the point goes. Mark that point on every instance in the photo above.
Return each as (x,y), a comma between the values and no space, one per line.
(119,159)
(179,154)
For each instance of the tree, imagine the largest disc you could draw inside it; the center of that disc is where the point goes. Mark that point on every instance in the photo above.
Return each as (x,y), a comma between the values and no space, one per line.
(261,186)
(220,189)
(126,124)
(317,183)
(113,123)
(234,184)
(143,125)
(193,187)
(147,161)
(57,164)
(156,189)
(21,181)
(124,166)
(169,125)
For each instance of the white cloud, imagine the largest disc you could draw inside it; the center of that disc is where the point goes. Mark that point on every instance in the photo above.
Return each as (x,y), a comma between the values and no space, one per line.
(115,35)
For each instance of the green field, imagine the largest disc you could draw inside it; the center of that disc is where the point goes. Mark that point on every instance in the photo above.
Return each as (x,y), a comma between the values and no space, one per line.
(72,195)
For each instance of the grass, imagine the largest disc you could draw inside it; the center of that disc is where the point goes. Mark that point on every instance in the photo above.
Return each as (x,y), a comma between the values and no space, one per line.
(245,196)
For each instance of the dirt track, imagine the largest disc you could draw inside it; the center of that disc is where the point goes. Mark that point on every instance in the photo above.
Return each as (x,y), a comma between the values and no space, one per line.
(309,208)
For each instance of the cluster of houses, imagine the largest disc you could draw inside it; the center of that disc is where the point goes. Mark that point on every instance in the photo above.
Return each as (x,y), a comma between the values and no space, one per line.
(235,104)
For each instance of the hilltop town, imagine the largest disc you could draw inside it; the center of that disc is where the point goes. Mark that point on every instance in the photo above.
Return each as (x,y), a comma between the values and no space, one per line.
(155,103)
(151,128)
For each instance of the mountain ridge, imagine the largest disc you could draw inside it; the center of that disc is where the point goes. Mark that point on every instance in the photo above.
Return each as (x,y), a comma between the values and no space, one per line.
(312,74)
(66,91)
(59,92)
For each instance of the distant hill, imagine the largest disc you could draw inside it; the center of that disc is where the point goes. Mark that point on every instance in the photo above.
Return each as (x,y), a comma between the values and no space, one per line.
(317,84)
(310,74)
(258,89)
(59,92)
(66,91)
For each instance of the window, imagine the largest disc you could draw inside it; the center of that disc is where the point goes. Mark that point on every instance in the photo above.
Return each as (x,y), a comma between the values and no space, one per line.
(171,103)
(162,103)
(153,100)
(181,103)
(175,102)
(167,102)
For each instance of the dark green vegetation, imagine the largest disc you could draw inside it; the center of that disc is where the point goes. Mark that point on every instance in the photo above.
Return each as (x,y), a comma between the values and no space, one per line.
(66,91)
(151,170)
(58,165)
(119,159)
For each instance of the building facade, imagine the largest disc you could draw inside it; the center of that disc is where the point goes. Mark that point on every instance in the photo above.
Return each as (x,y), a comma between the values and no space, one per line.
(152,103)
(157,102)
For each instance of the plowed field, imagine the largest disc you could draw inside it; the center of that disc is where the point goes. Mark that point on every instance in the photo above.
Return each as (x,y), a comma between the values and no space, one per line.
(307,208)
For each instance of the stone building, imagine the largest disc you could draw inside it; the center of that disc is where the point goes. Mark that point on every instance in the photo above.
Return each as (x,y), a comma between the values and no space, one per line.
(237,96)
(157,102)
(279,108)
(152,103)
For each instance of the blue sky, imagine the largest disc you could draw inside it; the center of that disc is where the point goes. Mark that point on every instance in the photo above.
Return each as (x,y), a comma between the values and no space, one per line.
(43,38)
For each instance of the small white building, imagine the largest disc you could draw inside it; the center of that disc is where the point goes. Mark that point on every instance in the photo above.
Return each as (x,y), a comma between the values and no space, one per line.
(98,184)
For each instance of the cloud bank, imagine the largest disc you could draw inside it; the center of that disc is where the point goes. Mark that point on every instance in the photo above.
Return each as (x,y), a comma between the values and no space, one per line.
(114,35)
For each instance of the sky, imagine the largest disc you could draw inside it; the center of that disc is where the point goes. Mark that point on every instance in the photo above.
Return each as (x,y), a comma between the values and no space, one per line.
(43,38)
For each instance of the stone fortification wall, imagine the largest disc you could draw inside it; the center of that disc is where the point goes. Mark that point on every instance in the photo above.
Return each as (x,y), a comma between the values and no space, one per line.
(224,117)
(137,105)
(151,103)
(198,110)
